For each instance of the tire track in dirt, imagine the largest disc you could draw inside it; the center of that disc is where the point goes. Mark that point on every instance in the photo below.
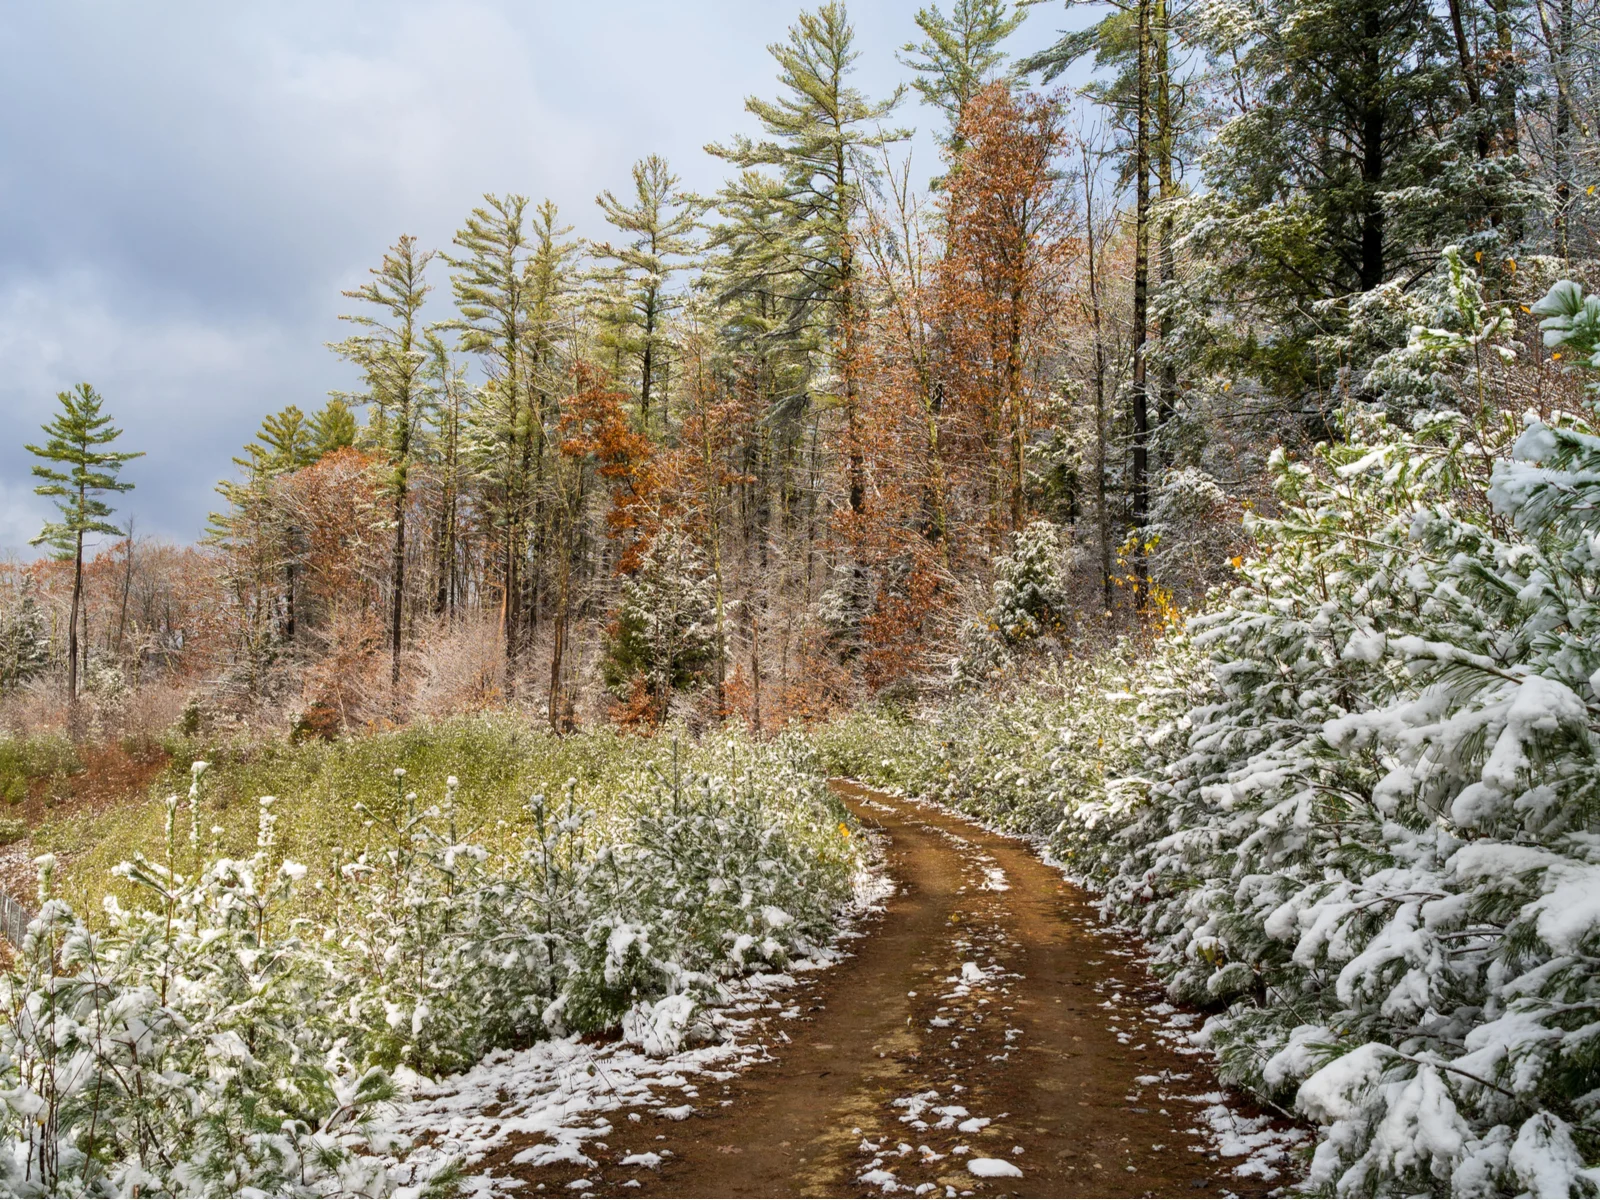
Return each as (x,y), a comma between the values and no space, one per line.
(988,1019)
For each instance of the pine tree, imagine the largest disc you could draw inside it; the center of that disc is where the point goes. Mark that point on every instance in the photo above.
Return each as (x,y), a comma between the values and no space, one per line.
(1132,40)
(658,225)
(664,639)
(333,427)
(286,442)
(549,302)
(392,354)
(24,638)
(76,438)
(1354,158)
(490,283)
(959,55)
(449,387)
(795,237)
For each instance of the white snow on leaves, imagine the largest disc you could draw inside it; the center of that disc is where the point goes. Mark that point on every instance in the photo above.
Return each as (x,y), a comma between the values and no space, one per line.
(563,1090)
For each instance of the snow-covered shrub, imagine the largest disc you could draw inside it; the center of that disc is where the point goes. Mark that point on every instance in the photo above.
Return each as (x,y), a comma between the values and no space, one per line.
(233,1029)
(1028,602)
(1013,764)
(24,638)
(185,1049)
(1193,533)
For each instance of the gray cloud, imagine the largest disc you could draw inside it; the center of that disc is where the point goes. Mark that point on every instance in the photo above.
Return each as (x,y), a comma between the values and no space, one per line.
(185,188)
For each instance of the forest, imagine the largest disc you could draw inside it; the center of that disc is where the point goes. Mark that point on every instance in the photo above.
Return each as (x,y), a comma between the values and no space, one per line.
(1195,476)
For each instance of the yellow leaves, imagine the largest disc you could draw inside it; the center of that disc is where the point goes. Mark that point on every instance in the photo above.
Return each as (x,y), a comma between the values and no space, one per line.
(844,830)
(1556,355)
(1511,265)
(1525,308)
(1237,560)
(1478,256)
(1589,191)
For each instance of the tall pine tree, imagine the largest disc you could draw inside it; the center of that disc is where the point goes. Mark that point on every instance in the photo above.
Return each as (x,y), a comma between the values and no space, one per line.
(490,282)
(958,55)
(392,352)
(657,226)
(799,189)
(77,440)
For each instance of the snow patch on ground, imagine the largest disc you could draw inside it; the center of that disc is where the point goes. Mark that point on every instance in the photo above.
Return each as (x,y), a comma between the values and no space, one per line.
(992,1168)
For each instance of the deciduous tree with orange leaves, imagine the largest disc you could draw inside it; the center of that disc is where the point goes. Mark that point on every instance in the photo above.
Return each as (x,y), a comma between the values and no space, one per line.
(1011,231)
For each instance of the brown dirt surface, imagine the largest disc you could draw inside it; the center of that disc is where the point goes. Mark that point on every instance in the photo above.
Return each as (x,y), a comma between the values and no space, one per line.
(989,994)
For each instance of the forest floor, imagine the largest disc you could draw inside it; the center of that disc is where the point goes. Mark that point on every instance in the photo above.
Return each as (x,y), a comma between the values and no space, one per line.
(988,1035)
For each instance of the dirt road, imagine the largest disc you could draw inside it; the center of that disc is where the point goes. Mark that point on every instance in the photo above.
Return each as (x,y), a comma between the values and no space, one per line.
(989,1037)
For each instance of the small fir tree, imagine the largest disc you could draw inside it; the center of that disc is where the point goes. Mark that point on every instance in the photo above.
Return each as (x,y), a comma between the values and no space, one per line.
(77,439)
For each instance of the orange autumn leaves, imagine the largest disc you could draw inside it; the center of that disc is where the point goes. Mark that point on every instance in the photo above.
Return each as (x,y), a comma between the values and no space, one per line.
(955,393)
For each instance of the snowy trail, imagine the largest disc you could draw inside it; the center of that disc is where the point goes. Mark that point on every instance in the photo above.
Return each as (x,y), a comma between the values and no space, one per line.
(988,1037)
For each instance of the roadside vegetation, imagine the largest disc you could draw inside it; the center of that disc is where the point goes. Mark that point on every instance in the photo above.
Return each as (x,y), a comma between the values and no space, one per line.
(1351,807)
(266,972)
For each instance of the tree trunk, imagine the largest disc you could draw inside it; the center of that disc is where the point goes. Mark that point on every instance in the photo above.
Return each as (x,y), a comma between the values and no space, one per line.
(1372,157)
(1103,515)
(397,577)
(1167,400)
(1469,78)
(1561,135)
(755,668)
(558,636)
(1139,481)
(1019,414)
(648,366)
(444,600)
(127,585)
(72,632)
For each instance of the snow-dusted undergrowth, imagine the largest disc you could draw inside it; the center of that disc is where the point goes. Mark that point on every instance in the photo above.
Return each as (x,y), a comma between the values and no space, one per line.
(564,1091)
(1356,808)
(211,1041)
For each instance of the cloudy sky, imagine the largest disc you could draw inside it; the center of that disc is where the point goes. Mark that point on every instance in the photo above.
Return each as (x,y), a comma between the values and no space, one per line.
(185,187)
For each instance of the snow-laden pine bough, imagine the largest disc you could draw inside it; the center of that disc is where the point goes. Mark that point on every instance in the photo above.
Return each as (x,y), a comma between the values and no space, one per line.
(248,1026)
(1355,810)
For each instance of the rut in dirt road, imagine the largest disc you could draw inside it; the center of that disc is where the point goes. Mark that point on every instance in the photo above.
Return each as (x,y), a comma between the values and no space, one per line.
(989,1037)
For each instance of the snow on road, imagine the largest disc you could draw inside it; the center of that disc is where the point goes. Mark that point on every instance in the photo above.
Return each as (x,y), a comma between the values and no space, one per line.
(595,1117)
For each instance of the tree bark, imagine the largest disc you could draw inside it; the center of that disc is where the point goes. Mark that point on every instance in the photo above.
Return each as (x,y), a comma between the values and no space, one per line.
(72,629)
(1102,513)
(1372,149)
(1167,400)
(397,576)
(1139,481)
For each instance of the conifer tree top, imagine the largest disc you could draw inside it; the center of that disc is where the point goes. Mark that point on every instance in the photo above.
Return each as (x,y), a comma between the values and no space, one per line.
(75,438)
